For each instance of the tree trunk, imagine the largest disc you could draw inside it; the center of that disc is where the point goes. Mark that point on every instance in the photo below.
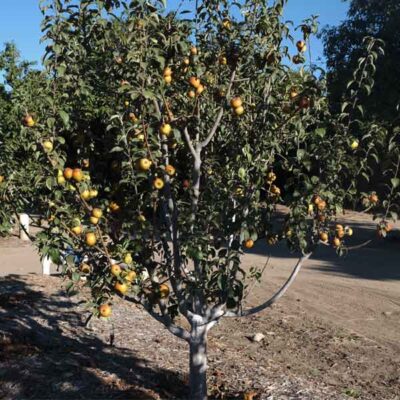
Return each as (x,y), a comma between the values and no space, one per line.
(198,363)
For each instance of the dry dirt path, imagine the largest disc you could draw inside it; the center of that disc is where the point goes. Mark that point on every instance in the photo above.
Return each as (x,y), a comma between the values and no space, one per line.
(359,292)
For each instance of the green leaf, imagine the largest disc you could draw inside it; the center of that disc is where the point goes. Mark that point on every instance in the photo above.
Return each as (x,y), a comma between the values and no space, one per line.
(300,154)
(49,182)
(75,277)
(395,182)
(65,117)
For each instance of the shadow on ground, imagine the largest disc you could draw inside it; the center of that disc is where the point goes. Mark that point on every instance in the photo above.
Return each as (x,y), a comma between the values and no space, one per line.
(37,361)
(378,260)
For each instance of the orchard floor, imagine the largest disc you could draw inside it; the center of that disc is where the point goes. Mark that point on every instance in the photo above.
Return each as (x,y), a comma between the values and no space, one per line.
(334,335)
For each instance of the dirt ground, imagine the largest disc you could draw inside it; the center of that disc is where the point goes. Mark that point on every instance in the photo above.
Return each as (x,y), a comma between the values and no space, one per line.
(334,335)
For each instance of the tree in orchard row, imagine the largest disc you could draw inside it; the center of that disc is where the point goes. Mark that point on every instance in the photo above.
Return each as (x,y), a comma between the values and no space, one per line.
(173,141)
(344,47)
(22,173)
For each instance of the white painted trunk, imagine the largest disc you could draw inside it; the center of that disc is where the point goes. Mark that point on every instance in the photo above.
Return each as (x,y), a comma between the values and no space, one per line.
(24,221)
(198,363)
(46,266)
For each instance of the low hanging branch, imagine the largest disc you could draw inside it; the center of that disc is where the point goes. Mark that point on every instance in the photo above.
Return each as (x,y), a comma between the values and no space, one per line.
(275,297)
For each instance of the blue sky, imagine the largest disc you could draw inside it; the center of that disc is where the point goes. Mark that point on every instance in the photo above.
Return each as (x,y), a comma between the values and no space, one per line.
(20,21)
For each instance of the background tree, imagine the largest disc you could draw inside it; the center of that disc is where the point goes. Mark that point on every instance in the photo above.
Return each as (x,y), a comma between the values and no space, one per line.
(380,97)
(344,47)
(23,96)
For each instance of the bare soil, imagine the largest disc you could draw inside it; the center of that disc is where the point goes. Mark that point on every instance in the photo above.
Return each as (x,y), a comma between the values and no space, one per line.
(335,334)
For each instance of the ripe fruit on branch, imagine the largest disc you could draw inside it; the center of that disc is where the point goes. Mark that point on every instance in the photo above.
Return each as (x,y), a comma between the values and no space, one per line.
(128,258)
(85,195)
(239,110)
(28,121)
(168,79)
(115,270)
(105,310)
(77,175)
(236,102)
(354,144)
(194,81)
(373,198)
(47,146)
(68,172)
(272,240)
(118,60)
(97,213)
(130,276)
(317,199)
(165,129)
(193,51)
(387,227)
(323,236)
(349,231)
(321,205)
(340,233)
(170,170)
(167,71)
(133,118)
(275,190)
(288,233)
(301,46)
(191,94)
(163,290)
(304,102)
(90,239)
(158,183)
(141,218)
(144,164)
(271,177)
(248,244)
(94,220)
(122,288)
(200,89)
(60,178)
(226,23)
(222,60)
(239,192)
(93,193)
(77,229)
(85,268)
(114,207)
(336,242)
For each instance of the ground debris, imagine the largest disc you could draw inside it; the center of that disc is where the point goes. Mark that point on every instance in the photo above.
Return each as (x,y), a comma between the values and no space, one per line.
(43,339)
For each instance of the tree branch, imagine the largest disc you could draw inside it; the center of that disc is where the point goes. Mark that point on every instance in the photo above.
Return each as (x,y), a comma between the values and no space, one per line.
(164,319)
(205,142)
(189,142)
(275,297)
